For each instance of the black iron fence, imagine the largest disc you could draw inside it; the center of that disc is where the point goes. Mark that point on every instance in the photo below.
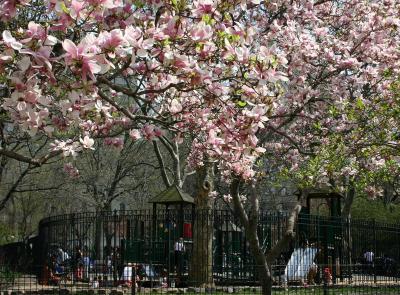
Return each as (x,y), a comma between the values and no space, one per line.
(185,251)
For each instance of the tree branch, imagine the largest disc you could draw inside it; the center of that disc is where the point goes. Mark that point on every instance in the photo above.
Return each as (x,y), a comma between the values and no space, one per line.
(291,140)
(255,209)
(239,209)
(33,161)
(128,113)
(186,174)
(164,174)
(173,149)
(38,189)
(289,233)
(13,187)
(348,202)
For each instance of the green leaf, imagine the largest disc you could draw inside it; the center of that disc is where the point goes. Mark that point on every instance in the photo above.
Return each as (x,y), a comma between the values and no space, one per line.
(274,61)
(317,125)
(360,103)
(64,8)
(387,73)
(166,42)
(207,19)
(241,104)
(138,4)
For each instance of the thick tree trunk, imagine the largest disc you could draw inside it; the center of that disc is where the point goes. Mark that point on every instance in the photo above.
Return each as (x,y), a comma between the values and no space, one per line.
(266,282)
(264,272)
(98,235)
(348,201)
(249,221)
(346,215)
(101,232)
(201,261)
(387,193)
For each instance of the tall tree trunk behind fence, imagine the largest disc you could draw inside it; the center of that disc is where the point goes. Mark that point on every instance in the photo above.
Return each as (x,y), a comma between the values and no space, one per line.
(201,263)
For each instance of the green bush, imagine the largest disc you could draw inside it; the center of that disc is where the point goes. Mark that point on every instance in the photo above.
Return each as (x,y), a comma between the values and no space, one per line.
(7,276)
(5,234)
(375,209)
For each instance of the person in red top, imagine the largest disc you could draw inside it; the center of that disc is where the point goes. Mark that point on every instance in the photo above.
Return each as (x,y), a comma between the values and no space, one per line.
(78,264)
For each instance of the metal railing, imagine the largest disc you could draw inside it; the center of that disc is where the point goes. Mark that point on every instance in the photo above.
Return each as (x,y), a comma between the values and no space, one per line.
(202,251)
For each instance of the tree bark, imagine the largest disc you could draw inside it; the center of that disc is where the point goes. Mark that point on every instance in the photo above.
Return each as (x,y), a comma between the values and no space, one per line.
(201,260)
(263,267)
(346,215)
(348,201)
(11,191)
(388,193)
(160,159)
(249,221)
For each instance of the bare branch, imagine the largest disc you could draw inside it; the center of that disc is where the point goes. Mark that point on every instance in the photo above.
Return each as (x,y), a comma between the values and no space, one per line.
(291,140)
(173,149)
(234,190)
(11,191)
(128,113)
(289,233)
(33,161)
(36,189)
(255,209)
(186,174)
(164,174)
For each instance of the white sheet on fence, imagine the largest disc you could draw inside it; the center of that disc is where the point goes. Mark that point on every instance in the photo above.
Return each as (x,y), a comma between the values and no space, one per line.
(300,263)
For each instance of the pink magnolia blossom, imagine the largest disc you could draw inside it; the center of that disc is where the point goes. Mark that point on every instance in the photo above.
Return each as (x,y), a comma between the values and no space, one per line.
(221,74)
(201,32)
(87,142)
(36,31)
(204,7)
(148,132)
(111,41)
(76,8)
(115,142)
(8,8)
(175,107)
(135,134)
(10,41)
(80,57)
(158,132)
(71,170)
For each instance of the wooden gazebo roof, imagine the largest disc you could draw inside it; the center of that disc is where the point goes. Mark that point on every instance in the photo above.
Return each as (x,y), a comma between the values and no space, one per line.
(172,195)
(321,194)
(324,193)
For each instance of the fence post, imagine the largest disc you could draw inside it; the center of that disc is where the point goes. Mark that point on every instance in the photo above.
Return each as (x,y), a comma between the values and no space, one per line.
(398,248)
(133,280)
(375,253)
(326,264)
(169,228)
(349,249)
(278,221)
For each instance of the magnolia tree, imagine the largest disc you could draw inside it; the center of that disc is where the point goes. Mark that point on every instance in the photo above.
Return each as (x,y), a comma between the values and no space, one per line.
(359,155)
(237,77)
